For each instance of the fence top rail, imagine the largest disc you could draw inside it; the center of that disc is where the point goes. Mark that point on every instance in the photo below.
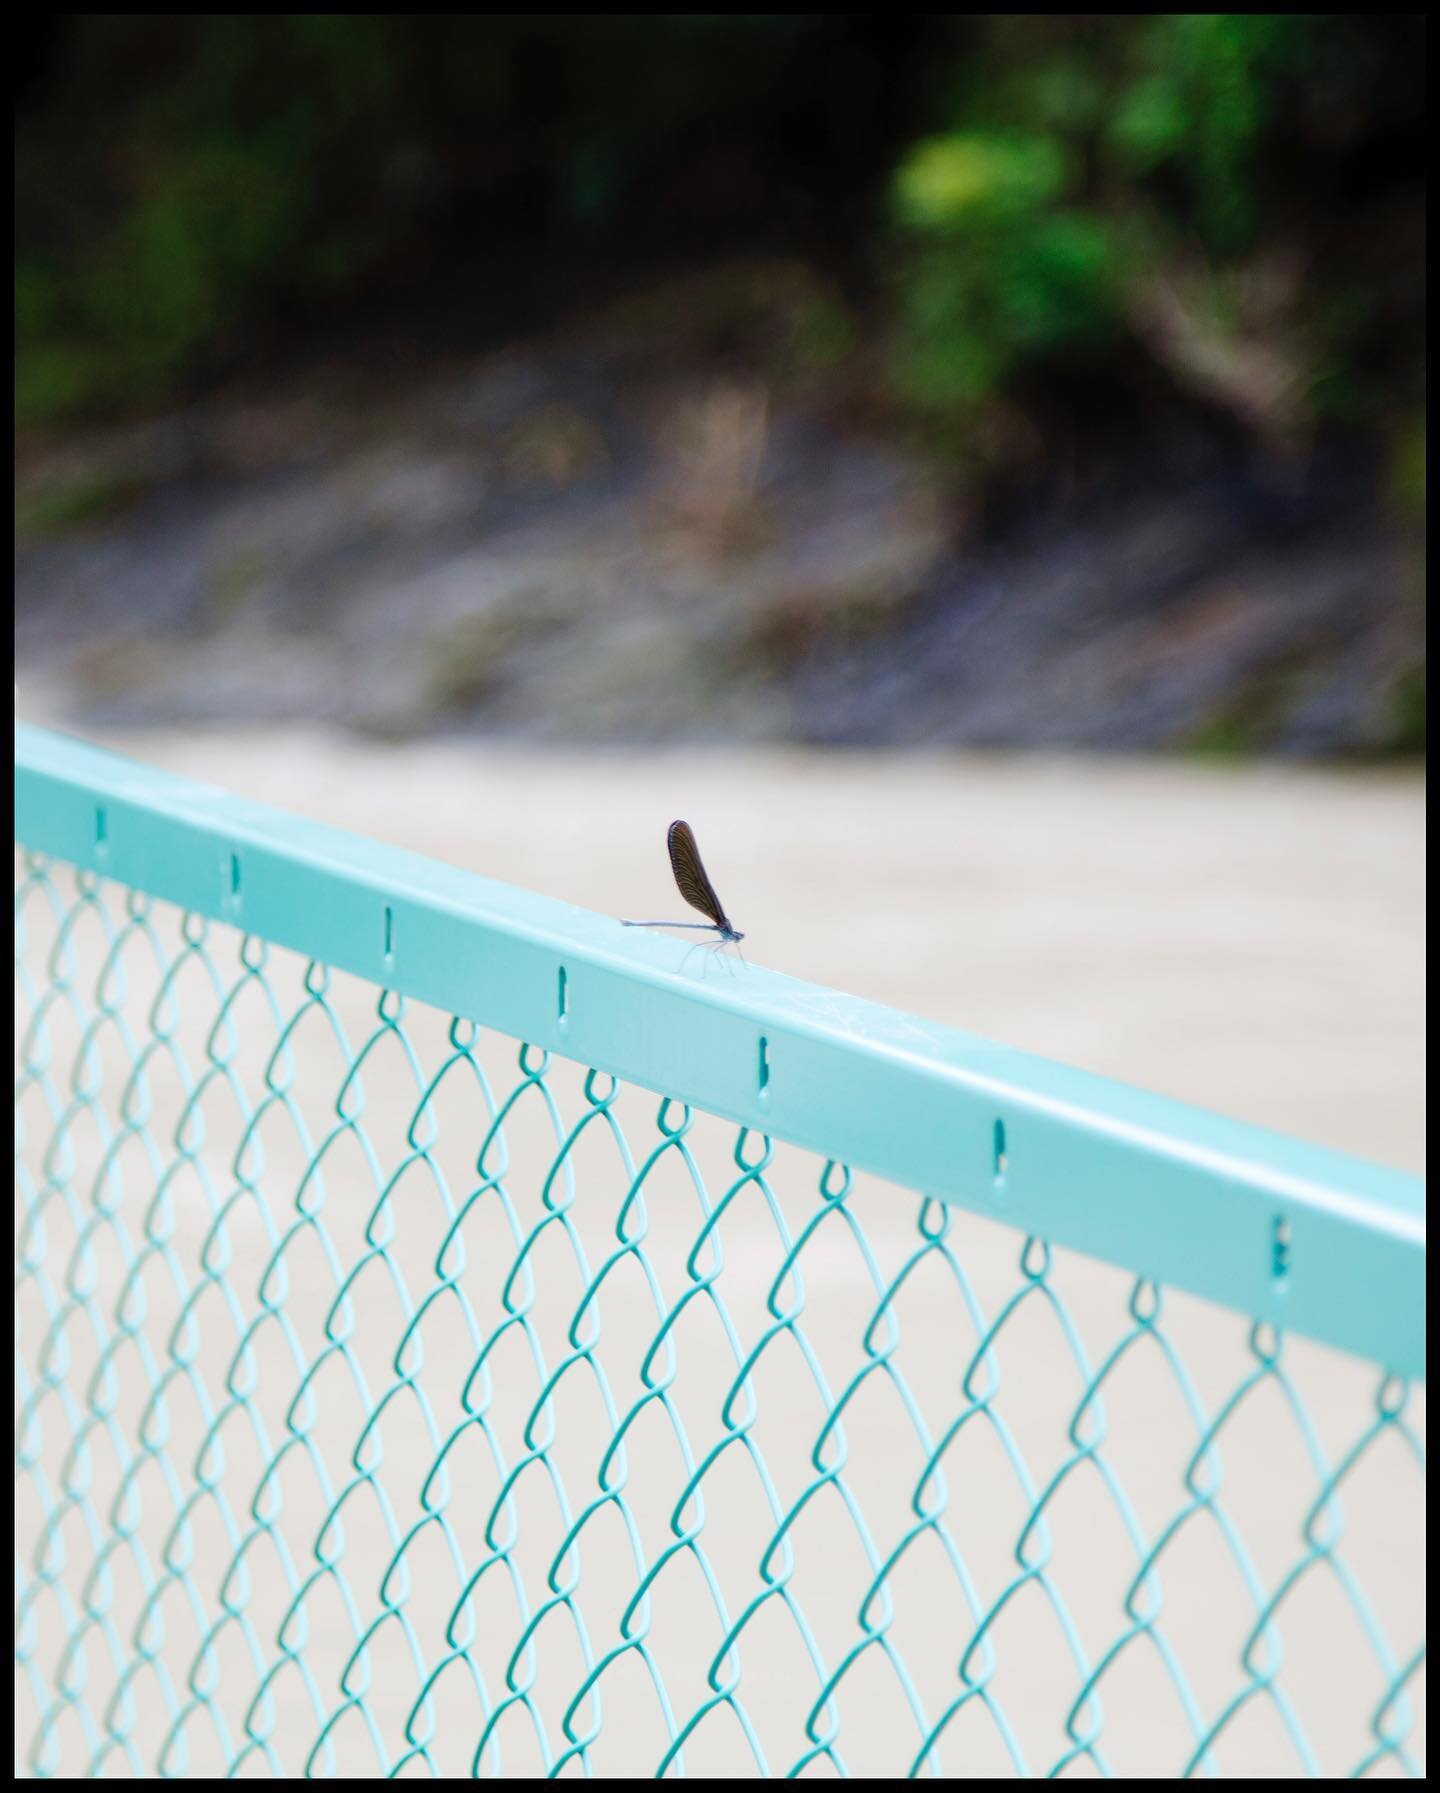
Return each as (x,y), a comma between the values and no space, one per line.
(1309,1240)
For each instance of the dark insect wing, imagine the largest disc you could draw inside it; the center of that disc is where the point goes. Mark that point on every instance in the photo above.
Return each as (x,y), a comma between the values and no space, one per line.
(694,886)
(690,878)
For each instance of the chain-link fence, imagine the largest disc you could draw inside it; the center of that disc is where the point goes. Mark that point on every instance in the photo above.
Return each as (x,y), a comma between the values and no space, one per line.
(456,1337)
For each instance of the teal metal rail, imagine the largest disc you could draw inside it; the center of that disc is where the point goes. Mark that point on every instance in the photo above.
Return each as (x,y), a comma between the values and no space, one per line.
(400,1389)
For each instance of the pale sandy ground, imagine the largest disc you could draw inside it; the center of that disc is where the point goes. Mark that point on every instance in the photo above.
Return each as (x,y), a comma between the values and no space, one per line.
(1249,939)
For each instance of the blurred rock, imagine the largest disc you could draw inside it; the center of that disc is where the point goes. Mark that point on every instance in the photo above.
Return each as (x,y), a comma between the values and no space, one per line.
(627,532)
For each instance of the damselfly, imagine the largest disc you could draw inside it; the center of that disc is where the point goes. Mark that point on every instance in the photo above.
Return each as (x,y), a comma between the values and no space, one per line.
(694,886)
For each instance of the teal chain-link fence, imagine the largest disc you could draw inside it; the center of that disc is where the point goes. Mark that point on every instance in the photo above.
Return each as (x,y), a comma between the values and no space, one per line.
(401,1392)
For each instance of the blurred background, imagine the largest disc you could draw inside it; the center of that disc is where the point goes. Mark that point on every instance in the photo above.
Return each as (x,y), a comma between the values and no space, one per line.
(408,407)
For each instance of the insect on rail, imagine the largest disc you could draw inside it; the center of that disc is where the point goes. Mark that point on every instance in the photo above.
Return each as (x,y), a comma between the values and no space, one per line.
(695,886)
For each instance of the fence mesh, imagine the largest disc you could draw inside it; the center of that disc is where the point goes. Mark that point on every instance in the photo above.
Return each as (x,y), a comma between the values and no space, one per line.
(396,1398)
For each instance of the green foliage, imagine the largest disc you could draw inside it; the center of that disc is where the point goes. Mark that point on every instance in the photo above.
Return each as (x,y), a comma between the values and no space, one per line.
(1094,163)
(1407,721)
(1002,272)
(1407,471)
(216,200)
(61,510)
(190,186)
(186,181)
(1203,89)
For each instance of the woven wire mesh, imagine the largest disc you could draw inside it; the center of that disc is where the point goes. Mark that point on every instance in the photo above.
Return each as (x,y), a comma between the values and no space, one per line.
(393,1397)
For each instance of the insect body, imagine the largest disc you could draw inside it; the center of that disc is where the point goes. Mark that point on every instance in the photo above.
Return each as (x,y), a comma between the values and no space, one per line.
(694,886)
